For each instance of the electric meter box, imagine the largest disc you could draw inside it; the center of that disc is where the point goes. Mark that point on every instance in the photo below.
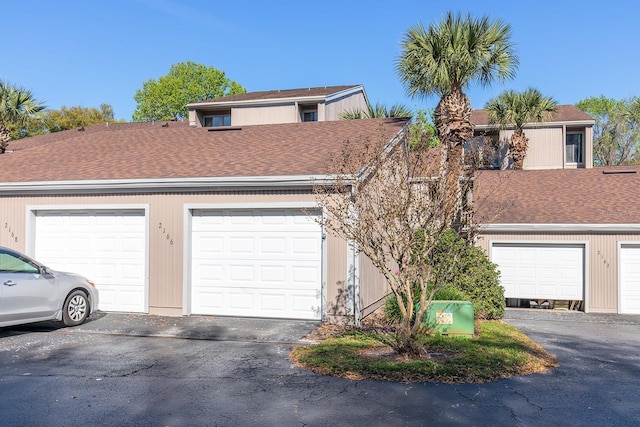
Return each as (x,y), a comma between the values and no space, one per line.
(454,318)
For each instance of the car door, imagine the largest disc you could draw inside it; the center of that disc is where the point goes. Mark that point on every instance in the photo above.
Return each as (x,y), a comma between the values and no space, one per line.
(26,293)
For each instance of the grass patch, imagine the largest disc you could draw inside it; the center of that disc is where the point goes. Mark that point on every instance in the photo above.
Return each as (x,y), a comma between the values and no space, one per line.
(498,350)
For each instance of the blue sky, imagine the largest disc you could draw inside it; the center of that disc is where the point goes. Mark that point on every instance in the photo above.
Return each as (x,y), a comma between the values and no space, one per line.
(79,52)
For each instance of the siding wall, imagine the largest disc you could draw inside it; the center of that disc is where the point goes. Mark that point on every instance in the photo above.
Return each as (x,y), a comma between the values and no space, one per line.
(334,108)
(373,287)
(166,234)
(272,114)
(547,147)
(601,258)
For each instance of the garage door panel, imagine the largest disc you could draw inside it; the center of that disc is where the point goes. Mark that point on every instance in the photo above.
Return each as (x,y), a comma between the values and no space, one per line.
(540,271)
(260,261)
(106,246)
(630,279)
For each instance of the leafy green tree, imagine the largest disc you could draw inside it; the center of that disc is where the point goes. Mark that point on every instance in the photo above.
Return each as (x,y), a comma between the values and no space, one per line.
(73,117)
(423,129)
(16,106)
(379,111)
(443,60)
(49,121)
(616,133)
(517,109)
(167,97)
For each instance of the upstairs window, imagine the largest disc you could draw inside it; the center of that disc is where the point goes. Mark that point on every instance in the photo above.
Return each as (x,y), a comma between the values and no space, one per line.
(217,120)
(574,148)
(309,115)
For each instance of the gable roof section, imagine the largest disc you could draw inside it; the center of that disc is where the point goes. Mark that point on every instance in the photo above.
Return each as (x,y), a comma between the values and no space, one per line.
(317,93)
(601,195)
(565,114)
(174,151)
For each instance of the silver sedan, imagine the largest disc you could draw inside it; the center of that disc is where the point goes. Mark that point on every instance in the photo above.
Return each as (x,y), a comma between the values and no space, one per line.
(31,292)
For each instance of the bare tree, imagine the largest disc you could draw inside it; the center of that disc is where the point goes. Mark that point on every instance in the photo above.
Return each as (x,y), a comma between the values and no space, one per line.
(392,204)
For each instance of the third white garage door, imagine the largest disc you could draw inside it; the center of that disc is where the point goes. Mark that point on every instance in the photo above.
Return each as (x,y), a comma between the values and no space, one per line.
(259,263)
(630,278)
(540,270)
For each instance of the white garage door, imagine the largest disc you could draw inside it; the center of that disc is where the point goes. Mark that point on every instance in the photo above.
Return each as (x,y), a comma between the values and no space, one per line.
(106,246)
(260,263)
(540,271)
(630,279)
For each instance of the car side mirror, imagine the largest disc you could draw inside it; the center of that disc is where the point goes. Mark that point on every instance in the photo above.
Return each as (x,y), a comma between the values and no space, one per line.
(45,271)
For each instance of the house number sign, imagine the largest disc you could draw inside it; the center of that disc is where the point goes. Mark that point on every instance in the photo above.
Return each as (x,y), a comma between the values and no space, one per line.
(10,232)
(164,232)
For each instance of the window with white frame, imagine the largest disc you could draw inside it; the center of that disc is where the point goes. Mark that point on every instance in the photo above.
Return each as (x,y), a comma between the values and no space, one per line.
(216,120)
(574,148)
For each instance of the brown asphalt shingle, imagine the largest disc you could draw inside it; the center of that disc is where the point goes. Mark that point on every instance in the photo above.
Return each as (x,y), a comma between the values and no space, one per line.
(560,196)
(145,150)
(564,113)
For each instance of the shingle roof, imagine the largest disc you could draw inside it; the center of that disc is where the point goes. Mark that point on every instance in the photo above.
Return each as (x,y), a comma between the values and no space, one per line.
(146,150)
(560,196)
(280,94)
(564,113)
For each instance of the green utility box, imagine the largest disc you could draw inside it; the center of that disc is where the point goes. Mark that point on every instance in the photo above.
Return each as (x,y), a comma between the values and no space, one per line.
(450,318)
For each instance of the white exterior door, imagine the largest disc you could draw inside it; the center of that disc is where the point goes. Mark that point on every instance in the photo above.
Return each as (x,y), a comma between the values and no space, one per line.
(106,246)
(256,263)
(532,271)
(630,278)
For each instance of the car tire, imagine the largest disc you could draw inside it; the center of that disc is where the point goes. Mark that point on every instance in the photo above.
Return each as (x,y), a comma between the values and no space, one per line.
(75,309)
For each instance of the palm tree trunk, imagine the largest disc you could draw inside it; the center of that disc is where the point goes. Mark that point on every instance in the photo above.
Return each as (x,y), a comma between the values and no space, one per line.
(518,145)
(452,118)
(4,138)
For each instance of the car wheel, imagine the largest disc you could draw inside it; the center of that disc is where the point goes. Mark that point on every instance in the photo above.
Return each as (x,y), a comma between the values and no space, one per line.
(76,308)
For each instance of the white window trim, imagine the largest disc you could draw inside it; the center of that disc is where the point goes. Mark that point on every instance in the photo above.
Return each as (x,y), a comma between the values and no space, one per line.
(583,148)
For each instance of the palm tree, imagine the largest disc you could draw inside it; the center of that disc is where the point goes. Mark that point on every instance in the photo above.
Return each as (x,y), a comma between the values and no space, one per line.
(16,106)
(379,111)
(445,59)
(516,109)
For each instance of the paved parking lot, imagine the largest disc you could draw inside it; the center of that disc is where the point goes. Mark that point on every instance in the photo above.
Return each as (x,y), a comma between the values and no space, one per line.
(125,370)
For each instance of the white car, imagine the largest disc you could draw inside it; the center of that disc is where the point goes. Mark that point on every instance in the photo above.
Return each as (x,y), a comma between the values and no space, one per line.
(31,292)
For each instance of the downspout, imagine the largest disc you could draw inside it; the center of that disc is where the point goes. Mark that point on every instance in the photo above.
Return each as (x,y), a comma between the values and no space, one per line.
(353,281)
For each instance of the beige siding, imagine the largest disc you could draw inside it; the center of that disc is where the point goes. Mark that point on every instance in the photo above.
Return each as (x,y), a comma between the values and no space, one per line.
(373,287)
(601,270)
(334,108)
(337,284)
(166,235)
(271,114)
(546,148)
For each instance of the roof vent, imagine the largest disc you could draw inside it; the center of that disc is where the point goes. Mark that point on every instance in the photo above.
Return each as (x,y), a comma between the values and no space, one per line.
(223,128)
(618,171)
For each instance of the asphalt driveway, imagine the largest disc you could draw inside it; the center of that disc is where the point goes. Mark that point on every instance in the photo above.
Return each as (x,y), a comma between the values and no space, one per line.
(147,370)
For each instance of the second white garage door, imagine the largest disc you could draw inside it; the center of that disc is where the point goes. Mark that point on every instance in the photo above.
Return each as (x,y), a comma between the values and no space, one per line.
(260,263)
(106,246)
(630,278)
(540,271)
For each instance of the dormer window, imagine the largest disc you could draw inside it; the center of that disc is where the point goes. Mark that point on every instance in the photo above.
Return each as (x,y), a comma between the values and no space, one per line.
(310,115)
(575,148)
(216,120)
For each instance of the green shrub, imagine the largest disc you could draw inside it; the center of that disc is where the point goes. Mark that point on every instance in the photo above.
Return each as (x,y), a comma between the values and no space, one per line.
(473,278)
